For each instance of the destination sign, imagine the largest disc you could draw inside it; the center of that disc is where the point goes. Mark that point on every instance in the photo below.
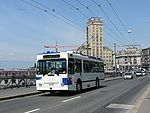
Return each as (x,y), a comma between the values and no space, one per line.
(51,56)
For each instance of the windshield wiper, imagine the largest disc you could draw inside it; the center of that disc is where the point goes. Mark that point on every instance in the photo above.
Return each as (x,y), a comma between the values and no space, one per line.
(53,72)
(57,72)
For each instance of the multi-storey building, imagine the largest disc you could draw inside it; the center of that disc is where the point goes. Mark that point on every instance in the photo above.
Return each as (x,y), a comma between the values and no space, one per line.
(145,58)
(95,37)
(95,41)
(108,58)
(129,59)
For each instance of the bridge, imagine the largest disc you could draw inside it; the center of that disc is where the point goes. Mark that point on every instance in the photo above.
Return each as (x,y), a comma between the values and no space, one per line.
(17,78)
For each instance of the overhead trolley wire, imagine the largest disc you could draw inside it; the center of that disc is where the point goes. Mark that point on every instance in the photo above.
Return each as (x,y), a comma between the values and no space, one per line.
(53,10)
(83,15)
(120,20)
(59,13)
(125,39)
(46,11)
(88,8)
(76,9)
(114,37)
(116,15)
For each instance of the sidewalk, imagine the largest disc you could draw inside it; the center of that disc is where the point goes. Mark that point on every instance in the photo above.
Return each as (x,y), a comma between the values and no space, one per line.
(145,107)
(17,92)
(26,91)
(142,104)
(113,78)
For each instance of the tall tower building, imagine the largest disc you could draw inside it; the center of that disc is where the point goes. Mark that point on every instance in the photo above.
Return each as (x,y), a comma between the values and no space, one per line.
(95,42)
(95,37)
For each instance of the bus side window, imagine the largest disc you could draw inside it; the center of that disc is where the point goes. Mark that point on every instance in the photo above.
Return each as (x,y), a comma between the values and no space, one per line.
(78,66)
(86,66)
(101,67)
(71,66)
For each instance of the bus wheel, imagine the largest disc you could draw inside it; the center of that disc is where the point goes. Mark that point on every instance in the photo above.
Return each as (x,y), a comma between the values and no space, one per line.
(97,83)
(52,92)
(78,87)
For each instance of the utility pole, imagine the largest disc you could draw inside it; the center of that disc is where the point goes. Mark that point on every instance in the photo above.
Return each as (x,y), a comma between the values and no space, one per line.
(115,58)
(87,43)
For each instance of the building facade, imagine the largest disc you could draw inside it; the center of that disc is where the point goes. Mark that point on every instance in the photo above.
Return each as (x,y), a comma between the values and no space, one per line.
(108,58)
(95,37)
(128,60)
(145,58)
(95,41)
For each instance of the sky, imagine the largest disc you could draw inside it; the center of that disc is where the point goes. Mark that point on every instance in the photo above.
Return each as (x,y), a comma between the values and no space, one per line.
(26,26)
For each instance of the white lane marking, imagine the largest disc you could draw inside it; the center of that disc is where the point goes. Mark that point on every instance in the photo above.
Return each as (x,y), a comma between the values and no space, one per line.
(120,106)
(71,99)
(32,110)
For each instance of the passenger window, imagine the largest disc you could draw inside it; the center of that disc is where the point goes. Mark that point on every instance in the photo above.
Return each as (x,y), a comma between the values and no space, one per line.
(78,66)
(71,66)
(86,66)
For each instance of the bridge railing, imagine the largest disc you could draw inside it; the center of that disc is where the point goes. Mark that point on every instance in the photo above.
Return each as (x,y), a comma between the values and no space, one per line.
(16,79)
(112,74)
(26,78)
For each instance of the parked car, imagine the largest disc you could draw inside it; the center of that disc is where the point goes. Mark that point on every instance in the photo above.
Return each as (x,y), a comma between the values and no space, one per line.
(144,73)
(139,73)
(128,75)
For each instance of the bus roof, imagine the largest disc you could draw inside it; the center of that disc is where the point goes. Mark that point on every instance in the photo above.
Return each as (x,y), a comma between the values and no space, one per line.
(71,53)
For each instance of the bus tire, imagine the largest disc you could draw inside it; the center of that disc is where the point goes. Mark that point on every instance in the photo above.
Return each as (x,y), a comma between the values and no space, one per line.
(79,87)
(52,92)
(97,83)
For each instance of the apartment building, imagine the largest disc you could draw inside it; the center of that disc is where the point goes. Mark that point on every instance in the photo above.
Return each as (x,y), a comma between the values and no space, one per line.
(128,59)
(145,58)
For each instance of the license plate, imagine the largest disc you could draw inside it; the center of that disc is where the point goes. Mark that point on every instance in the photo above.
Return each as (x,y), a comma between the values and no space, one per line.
(45,84)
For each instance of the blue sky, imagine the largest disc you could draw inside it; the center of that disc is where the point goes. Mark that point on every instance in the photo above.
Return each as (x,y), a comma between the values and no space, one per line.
(24,29)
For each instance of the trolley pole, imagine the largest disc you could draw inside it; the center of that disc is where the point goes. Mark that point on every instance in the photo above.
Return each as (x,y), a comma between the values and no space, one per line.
(56,47)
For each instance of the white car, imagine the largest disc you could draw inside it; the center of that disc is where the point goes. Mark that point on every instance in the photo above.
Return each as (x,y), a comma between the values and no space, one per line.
(138,73)
(143,73)
(128,75)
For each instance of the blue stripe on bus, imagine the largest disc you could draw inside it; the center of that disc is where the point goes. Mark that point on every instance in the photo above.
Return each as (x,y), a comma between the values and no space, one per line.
(48,52)
(38,78)
(66,81)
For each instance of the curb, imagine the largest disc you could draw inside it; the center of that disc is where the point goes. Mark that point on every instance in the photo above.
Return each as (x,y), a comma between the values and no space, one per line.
(21,95)
(113,79)
(140,100)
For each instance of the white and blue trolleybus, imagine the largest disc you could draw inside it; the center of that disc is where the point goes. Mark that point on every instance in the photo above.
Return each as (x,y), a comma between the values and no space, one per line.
(67,71)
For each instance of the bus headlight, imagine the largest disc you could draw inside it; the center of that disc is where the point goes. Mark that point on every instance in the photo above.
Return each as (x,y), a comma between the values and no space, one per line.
(62,84)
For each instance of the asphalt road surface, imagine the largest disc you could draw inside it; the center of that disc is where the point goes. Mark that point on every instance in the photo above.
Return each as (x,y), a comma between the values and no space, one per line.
(117,96)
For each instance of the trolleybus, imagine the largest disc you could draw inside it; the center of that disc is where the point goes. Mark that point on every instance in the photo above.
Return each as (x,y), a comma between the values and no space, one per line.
(67,71)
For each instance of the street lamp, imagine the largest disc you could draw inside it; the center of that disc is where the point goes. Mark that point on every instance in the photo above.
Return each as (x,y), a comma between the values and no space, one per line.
(129,31)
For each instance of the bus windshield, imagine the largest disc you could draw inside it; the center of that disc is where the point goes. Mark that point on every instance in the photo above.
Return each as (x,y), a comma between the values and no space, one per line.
(51,66)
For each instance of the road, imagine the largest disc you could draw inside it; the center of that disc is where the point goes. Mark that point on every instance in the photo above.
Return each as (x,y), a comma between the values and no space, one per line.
(117,96)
